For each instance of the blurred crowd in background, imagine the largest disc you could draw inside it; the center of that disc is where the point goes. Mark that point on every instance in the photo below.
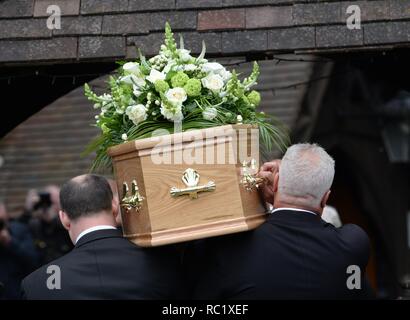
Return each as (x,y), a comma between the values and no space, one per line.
(35,238)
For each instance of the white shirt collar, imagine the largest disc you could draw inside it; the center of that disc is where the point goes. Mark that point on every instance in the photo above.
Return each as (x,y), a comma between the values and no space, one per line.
(293,209)
(95,228)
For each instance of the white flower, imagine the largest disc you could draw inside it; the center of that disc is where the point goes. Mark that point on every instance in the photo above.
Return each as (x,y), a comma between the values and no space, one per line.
(119,110)
(225,74)
(124,137)
(155,75)
(173,113)
(222,94)
(179,68)
(169,66)
(214,82)
(106,97)
(136,90)
(154,58)
(190,67)
(214,67)
(176,96)
(184,55)
(136,113)
(133,79)
(217,68)
(132,68)
(209,113)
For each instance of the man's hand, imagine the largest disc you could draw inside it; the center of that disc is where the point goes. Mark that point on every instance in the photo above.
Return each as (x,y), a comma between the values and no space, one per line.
(5,238)
(268,171)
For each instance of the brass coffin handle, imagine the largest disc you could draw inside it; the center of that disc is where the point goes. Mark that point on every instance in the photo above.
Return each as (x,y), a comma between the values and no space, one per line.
(249,179)
(132,201)
(190,178)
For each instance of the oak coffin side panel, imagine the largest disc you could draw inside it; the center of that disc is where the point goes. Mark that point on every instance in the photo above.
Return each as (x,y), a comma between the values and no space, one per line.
(164,219)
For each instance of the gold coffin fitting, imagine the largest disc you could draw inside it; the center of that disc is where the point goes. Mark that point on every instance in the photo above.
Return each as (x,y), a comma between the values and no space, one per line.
(132,201)
(190,178)
(249,179)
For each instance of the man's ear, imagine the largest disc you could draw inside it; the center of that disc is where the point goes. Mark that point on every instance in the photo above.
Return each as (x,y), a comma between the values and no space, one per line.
(65,220)
(115,208)
(324,199)
(276,182)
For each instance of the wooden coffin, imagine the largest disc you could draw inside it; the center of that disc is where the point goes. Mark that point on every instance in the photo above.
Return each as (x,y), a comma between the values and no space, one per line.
(166,213)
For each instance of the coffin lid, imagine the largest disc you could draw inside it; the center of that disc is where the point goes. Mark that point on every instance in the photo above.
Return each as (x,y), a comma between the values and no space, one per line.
(182,137)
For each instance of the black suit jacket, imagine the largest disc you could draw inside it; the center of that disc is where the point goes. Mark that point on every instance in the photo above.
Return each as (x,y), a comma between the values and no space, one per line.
(293,255)
(104,265)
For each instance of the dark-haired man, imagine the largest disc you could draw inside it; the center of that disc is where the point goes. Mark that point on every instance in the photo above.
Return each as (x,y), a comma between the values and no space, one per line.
(102,265)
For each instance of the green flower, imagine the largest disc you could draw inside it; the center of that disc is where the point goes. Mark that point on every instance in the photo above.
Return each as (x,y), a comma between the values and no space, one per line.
(161,86)
(179,79)
(254,97)
(193,87)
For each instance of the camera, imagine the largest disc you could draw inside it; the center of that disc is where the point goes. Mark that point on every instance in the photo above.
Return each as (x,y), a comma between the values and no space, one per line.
(44,201)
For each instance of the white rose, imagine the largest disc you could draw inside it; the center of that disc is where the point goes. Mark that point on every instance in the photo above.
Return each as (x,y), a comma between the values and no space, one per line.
(214,82)
(209,113)
(212,67)
(155,75)
(174,113)
(176,96)
(184,55)
(132,68)
(225,74)
(136,113)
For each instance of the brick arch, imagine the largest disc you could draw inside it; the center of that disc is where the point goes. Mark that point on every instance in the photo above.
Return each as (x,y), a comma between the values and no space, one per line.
(103,29)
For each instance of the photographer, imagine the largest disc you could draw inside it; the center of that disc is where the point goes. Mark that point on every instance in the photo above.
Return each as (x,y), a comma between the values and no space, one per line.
(41,213)
(18,255)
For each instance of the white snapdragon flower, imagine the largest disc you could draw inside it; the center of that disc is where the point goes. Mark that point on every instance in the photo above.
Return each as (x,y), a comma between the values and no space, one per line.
(155,75)
(106,97)
(209,113)
(173,113)
(136,113)
(213,82)
(176,96)
(184,55)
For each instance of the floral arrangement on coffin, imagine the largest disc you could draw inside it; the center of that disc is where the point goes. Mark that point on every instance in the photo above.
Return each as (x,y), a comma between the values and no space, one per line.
(174,86)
